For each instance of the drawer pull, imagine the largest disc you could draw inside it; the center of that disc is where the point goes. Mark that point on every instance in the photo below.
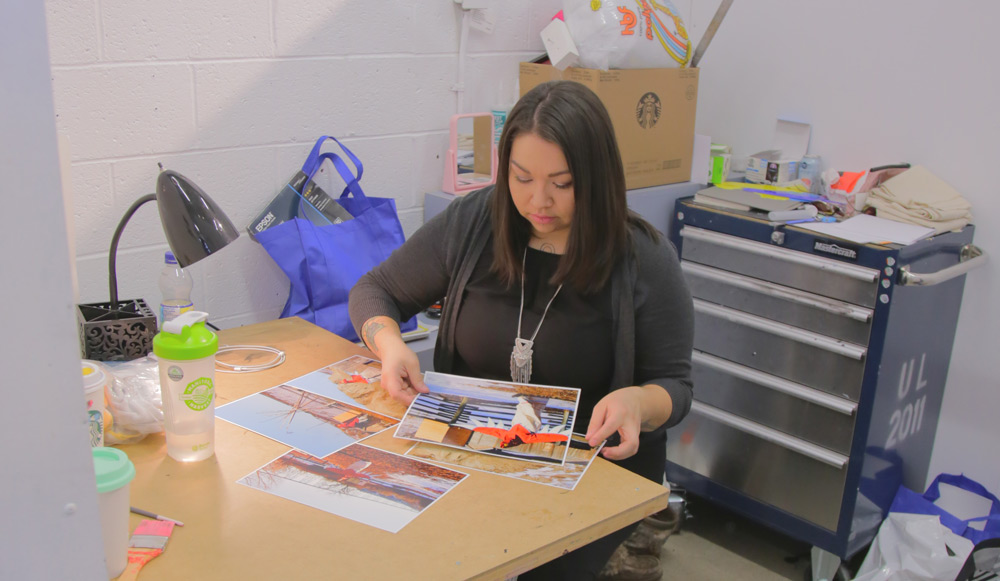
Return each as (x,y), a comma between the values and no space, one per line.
(770,289)
(805,259)
(762,379)
(780,329)
(813,451)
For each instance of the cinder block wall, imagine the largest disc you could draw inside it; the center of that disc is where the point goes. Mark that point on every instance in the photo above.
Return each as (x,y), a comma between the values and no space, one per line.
(233,94)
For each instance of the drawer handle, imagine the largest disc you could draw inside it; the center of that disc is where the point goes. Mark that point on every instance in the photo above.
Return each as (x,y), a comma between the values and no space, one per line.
(805,259)
(782,330)
(796,390)
(770,289)
(970,258)
(812,451)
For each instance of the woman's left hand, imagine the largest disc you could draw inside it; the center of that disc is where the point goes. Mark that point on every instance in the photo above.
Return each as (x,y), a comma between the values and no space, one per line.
(619,411)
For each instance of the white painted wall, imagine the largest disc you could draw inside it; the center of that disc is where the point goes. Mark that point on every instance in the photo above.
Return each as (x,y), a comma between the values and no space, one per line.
(233,95)
(48,497)
(883,82)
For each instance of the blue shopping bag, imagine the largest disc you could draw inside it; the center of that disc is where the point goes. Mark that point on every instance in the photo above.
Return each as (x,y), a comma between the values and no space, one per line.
(908,501)
(323,261)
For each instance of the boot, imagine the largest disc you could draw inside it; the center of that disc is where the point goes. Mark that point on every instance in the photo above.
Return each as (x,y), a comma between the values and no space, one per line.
(652,533)
(668,518)
(624,566)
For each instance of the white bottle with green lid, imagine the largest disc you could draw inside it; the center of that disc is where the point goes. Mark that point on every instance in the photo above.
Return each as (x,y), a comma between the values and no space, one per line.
(186,352)
(114,471)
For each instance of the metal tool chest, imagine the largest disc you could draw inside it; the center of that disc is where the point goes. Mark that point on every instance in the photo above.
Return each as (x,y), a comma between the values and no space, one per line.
(819,370)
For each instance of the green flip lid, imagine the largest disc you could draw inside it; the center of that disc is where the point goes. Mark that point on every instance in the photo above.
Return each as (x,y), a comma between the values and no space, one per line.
(186,338)
(112,468)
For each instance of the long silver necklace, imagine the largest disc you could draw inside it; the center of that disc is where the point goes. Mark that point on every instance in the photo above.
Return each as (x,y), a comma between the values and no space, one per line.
(520,357)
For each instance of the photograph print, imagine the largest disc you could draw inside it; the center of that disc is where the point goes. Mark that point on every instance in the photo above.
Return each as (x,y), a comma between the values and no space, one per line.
(370,486)
(356,380)
(511,420)
(565,476)
(304,420)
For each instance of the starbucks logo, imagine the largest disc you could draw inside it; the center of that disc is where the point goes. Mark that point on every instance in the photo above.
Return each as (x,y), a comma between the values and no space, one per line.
(647,111)
(198,394)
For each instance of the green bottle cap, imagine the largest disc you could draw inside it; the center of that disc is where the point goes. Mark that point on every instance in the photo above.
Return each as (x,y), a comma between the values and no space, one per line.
(185,338)
(112,468)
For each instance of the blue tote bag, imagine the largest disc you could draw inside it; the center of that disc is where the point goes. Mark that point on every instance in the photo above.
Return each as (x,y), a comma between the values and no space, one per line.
(908,501)
(323,261)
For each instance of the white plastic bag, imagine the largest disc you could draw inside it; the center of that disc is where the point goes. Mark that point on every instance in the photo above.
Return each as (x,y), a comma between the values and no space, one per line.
(914,547)
(134,400)
(632,34)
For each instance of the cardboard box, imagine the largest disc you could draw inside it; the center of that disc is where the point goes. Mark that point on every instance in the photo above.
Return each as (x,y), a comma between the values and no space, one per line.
(780,164)
(652,111)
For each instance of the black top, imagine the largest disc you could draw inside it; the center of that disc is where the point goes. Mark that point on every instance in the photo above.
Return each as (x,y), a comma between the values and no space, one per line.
(573,347)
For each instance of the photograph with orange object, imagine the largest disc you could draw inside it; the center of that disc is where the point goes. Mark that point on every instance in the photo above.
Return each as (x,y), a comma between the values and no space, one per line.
(355,380)
(304,420)
(502,418)
(566,476)
(370,486)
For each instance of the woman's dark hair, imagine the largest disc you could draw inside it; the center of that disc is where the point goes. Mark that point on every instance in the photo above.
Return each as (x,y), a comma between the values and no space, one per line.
(571,116)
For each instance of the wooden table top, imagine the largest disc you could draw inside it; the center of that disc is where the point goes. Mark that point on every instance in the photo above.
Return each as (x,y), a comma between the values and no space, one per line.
(487,527)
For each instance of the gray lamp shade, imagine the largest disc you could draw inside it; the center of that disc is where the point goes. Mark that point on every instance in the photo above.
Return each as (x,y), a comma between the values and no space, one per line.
(194,225)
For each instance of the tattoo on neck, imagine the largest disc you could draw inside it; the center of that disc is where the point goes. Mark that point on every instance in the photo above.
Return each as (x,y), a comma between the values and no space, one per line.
(369,331)
(546,247)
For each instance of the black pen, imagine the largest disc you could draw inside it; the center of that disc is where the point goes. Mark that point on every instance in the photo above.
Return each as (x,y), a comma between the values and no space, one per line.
(153,515)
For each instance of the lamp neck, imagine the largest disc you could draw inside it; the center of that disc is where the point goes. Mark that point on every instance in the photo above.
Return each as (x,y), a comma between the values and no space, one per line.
(112,276)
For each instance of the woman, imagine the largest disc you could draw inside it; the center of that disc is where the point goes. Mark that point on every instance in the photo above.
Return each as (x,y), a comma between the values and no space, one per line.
(551,280)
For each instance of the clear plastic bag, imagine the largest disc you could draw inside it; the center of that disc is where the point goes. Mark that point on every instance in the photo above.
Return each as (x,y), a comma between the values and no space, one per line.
(134,402)
(627,35)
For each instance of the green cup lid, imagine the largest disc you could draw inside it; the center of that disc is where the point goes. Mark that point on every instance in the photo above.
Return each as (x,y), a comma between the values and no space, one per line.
(112,468)
(186,338)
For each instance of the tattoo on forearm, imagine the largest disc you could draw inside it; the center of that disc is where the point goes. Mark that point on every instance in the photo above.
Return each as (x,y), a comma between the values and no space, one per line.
(546,247)
(647,426)
(369,331)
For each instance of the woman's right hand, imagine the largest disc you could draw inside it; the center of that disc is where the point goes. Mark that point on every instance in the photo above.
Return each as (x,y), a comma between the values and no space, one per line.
(401,376)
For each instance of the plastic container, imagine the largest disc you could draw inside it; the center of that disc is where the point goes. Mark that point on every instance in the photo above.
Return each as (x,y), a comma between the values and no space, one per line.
(499,111)
(114,472)
(175,289)
(186,351)
(810,167)
(499,119)
(94,383)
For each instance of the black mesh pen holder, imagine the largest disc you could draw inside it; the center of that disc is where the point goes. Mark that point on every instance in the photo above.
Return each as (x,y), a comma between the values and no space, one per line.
(116,334)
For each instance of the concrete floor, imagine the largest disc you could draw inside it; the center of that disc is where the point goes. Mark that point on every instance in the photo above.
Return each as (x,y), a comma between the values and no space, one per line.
(713,543)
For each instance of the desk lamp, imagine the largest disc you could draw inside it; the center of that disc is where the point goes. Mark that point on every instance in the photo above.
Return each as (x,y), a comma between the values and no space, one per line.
(194,226)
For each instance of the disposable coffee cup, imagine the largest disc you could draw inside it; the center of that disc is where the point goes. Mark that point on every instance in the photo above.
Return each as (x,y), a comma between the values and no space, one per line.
(186,353)
(94,381)
(114,472)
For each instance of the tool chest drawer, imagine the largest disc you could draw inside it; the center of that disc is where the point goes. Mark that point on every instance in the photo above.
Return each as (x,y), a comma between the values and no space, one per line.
(792,408)
(805,350)
(784,350)
(812,312)
(814,274)
(797,477)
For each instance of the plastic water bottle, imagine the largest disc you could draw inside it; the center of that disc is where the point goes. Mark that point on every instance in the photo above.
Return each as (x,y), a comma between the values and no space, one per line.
(175,288)
(810,167)
(186,351)
(499,112)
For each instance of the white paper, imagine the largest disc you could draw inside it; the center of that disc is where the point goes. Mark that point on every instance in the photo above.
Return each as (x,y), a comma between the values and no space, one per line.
(864,229)
(483,20)
(701,160)
(792,138)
